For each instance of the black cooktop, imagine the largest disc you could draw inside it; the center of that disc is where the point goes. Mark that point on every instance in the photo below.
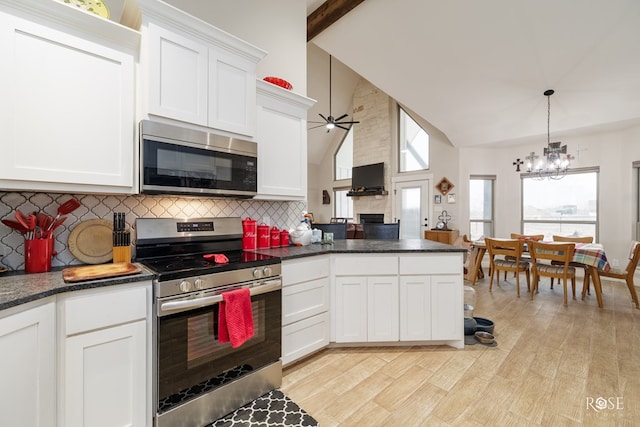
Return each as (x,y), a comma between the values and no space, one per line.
(182,266)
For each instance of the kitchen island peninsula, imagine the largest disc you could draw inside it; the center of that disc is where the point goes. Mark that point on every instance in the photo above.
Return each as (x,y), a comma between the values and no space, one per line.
(370,292)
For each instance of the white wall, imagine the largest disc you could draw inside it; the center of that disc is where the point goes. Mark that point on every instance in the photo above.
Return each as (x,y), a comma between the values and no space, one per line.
(277,26)
(613,151)
(375,138)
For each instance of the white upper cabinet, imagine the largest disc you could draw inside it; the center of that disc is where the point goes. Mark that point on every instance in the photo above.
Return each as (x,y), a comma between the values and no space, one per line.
(196,73)
(177,76)
(282,143)
(232,92)
(67,110)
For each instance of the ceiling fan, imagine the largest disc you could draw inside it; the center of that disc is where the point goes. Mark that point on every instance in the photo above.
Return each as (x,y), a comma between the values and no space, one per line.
(331,122)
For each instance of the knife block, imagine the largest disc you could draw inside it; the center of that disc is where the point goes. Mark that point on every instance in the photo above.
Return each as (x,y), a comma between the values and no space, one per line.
(121,254)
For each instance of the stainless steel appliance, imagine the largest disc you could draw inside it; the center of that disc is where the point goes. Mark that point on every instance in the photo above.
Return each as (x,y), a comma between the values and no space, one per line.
(197,379)
(177,160)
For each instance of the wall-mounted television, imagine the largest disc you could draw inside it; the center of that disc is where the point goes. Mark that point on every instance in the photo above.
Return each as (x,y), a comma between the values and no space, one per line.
(368,177)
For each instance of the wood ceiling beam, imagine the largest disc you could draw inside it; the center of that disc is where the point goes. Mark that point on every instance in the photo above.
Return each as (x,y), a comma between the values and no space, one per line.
(328,13)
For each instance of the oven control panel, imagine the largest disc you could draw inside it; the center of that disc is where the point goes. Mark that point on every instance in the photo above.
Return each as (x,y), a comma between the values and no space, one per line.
(260,272)
(190,227)
(208,281)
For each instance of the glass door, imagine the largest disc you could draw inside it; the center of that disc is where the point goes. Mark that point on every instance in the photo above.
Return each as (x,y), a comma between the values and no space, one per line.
(411,207)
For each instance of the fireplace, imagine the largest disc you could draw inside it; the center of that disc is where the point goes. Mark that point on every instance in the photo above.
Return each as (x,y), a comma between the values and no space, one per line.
(377,218)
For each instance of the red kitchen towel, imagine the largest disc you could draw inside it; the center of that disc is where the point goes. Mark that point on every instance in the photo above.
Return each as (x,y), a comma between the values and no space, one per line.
(217,258)
(235,319)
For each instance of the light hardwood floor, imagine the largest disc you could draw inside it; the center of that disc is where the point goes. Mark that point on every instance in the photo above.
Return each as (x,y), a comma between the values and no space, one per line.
(551,365)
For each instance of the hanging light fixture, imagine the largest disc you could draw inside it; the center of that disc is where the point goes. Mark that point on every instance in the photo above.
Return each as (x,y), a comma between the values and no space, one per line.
(555,160)
(329,122)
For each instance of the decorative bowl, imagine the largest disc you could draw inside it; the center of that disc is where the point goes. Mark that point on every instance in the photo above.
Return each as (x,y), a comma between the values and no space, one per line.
(484,337)
(278,82)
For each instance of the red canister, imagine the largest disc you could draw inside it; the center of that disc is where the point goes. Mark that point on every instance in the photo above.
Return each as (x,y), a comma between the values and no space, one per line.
(284,238)
(275,237)
(249,234)
(264,238)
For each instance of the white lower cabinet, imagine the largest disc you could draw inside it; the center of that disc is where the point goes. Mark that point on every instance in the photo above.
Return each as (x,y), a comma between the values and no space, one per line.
(407,297)
(431,298)
(305,337)
(27,368)
(447,308)
(351,309)
(367,309)
(104,358)
(305,307)
(366,302)
(415,308)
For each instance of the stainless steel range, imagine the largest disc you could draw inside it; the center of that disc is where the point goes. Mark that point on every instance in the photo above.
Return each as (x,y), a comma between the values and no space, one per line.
(198,379)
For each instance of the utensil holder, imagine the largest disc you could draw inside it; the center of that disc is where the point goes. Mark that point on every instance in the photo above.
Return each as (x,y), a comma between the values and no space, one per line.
(37,255)
(121,254)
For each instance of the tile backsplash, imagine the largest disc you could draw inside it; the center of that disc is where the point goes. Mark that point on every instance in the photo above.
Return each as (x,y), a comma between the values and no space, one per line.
(281,214)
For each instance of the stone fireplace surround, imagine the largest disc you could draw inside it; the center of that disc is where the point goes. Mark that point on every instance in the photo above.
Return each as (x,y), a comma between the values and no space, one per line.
(281,214)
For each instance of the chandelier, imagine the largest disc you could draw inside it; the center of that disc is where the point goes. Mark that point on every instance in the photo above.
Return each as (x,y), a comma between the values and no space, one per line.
(555,160)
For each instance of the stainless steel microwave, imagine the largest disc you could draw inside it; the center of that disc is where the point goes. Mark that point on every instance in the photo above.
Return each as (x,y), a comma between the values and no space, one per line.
(178,160)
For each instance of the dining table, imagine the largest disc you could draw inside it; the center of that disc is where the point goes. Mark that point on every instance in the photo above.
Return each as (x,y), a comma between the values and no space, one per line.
(591,255)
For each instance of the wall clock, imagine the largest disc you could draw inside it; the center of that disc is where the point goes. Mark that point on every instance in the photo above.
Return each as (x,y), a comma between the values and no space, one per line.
(444,186)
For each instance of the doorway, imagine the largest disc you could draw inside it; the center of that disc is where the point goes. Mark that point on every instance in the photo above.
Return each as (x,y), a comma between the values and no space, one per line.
(411,207)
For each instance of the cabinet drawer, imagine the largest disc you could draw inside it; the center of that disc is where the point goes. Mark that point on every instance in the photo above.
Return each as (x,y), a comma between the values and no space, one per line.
(304,300)
(365,265)
(299,271)
(104,308)
(303,338)
(436,263)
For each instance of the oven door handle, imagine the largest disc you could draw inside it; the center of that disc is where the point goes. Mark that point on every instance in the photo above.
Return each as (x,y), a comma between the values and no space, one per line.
(191,303)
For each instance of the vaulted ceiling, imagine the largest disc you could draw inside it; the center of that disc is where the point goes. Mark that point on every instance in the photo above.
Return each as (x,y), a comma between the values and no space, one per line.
(477,70)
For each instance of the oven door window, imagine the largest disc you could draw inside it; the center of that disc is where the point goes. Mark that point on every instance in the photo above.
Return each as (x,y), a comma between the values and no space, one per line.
(190,357)
(172,165)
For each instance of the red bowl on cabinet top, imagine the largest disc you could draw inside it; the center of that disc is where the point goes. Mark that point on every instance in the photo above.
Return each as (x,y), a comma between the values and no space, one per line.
(278,82)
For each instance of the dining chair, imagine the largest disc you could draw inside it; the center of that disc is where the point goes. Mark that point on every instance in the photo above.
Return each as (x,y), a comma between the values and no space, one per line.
(575,239)
(627,273)
(464,243)
(552,251)
(386,231)
(513,249)
(534,237)
(339,230)
(524,238)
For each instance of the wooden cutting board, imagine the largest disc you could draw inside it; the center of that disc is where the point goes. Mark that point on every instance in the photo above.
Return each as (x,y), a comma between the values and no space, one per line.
(91,272)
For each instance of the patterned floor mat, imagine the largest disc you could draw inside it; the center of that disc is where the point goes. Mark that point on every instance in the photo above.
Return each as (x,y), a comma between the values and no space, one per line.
(273,409)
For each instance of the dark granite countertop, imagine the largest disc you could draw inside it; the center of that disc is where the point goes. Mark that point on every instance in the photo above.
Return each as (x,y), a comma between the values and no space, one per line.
(20,288)
(362,246)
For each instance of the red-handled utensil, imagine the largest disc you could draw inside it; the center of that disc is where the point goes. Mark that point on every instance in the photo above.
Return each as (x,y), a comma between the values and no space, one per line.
(15,225)
(21,218)
(56,224)
(66,208)
(27,221)
(43,221)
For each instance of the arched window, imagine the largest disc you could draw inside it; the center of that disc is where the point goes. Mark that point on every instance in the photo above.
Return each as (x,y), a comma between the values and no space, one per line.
(344,157)
(343,161)
(413,144)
